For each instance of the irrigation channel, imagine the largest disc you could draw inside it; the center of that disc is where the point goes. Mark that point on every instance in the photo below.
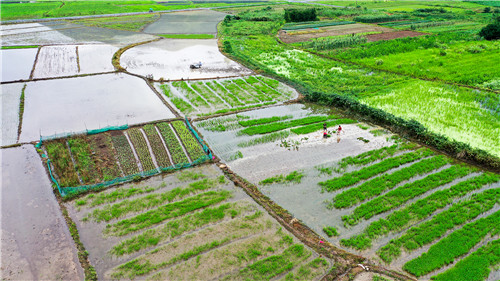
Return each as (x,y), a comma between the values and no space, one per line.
(126,164)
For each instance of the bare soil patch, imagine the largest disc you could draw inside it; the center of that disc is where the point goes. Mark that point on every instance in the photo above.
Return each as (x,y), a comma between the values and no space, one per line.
(393,35)
(307,34)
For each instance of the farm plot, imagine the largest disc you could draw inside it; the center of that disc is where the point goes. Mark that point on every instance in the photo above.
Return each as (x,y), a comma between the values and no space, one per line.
(347,29)
(225,95)
(10,95)
(190,225)
(18,62)
(281,139)
(116,156)
(95,58)
(63,106)
(36,243)
(170,59)
(405,206)
(61,32)
(54,61)
(188,22)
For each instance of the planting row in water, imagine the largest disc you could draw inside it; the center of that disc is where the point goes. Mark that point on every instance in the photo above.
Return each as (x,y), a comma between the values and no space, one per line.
(219,96)
(166,228)
(88,160)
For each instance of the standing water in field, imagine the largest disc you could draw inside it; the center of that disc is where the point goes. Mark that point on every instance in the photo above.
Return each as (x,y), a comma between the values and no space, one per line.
(10,95)
(64,106)
(170,59)
(18,62)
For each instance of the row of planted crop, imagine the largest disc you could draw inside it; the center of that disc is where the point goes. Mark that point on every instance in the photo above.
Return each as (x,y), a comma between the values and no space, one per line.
(106,156)
(225,94)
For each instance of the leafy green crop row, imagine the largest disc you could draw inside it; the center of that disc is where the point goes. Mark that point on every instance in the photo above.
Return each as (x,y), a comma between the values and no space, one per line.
(433,229)
(228,96)
(82,154)
(273,127)
(61,159)
(167,211)
(315,127)
(374,155)
(181,104)
(193,147)
(125,154)
(454,245)
(173,145)
(157,146)
(294,177)
(402,194)
(352,178)
(417,211)
(141,147)
(378,185)
(260,121)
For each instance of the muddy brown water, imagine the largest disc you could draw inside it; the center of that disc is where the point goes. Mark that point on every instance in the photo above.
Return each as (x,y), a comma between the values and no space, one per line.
(64,105)
(35,242)
(170,59)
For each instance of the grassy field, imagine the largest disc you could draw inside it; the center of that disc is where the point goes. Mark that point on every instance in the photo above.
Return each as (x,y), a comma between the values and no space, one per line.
(191,225)
(391,203)
(406,5)
(102,158)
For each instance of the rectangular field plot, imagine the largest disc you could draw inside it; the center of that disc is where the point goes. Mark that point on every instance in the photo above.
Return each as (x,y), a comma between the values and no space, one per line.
(65,106)
(17,63)
(402,205)
(91,161)
(54,61)
(225,95)
(95,58)
(260,143)
(10,95)
(189,22)
(189,225)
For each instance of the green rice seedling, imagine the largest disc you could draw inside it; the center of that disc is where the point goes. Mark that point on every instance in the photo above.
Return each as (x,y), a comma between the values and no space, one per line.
(330,231)
(269,82)
(224,93)
(190,94)
(98,199)
(352,178)
(274,265)
(189,175)
(274,127)
(269,92)
(142,149)
(402,194)
(84,161)
(167,211)
(120,209)
(239,92)
(192,146)
(181,104)
(260,121)
(378,132)
(124,153)
(266,138)
(222,124)
(419,210)
(106,159)
(258,94)
(435,228)
(378,185)
(157,146)
(237,155)
(204,91)
(293,177)
(179,226)
(173,145)
(309,271)
(476,266)
(453,246)
(20,47)
(63,165)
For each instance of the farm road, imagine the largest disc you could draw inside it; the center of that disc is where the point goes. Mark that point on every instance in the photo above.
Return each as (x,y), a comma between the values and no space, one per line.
(36,244)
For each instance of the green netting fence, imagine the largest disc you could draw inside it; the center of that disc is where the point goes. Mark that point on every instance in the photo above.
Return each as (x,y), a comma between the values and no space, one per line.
(66,191)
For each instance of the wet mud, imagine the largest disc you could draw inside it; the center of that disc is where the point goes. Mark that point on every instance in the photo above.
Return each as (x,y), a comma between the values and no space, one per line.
(35,243)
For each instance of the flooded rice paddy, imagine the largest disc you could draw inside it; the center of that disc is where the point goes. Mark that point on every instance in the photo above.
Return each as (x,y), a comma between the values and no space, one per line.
(17,63)
(36,243)
(170,59)
(10,98)
(64,105)
(188,22)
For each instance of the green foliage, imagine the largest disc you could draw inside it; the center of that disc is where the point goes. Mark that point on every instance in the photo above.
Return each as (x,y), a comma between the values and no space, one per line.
(378,185)
(190,175)
(20,47)
(352,178)
(289,26)
(453,246)
(63,165)
(125,154)
(85,165)
(435,228)
(192,145)
(141,148)
(278,126)
(474,267)
(316,127)
(293,177)
(491,31)
(330,231)
(266,138)
(374,155)
(173,145)
(309,271)
(157,146)
(379,18)
(165,212)
(180,103)
(328,43)
(253,122)
(299,15)
(101,145)
(402,194)
(417,211)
